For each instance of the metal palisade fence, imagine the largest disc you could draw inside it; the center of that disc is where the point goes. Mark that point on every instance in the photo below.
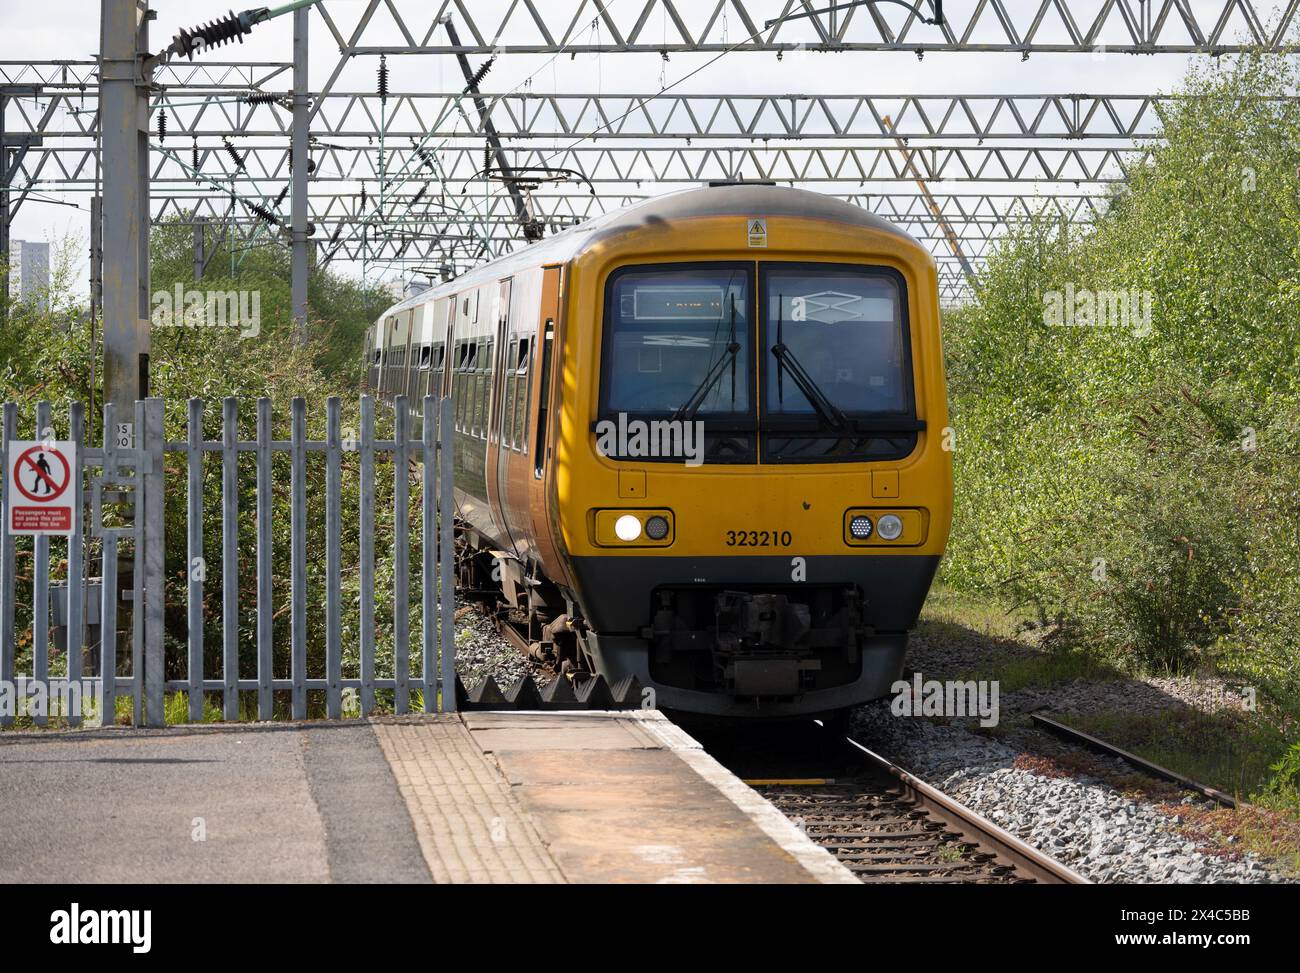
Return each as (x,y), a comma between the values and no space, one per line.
(179,575)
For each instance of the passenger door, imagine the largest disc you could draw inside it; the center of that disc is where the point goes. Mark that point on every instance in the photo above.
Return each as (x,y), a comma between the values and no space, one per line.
(495,457)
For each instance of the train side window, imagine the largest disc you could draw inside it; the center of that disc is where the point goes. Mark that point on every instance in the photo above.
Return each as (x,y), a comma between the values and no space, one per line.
(477,389)
(433,380)
(522,388)
(467,404)
(458,384)
(508,383)
(543,393)
(485,386)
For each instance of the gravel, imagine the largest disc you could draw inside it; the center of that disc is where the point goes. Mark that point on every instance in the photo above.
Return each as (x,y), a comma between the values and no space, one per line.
(481,652)
(1081,820)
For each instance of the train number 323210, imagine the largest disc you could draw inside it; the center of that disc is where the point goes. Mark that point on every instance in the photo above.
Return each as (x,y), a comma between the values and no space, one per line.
(759,538)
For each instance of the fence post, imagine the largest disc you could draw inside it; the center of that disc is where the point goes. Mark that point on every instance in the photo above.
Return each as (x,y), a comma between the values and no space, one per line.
(298,558)
(139,444)
(196,566)
(447,556)
(230,558)
(7,588)
(108,597)
(333,560)
(429,553)
(401,556)
(265,541)
(41,587)
(154,557)
(366,549)
(75,622)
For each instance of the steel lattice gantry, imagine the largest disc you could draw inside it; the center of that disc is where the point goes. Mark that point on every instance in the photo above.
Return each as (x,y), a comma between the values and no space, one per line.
(986,159)
(398,181)
(672,26)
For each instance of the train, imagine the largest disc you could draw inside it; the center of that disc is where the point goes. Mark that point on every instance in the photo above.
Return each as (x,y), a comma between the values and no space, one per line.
(701,440)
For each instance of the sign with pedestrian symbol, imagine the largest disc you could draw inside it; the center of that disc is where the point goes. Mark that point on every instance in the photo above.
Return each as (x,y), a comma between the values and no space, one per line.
(38,488)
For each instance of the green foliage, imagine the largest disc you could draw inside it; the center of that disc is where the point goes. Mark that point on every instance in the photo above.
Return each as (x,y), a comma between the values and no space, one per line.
(339,308)
(1142,484)
(45,355)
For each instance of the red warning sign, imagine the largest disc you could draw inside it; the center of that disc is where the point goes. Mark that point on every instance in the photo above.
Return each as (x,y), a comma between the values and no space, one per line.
(39,498)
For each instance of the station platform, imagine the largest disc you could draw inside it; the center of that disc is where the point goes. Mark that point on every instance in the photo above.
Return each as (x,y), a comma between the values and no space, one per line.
(554,797)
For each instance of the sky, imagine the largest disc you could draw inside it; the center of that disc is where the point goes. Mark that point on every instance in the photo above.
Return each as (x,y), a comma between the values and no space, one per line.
(69,29)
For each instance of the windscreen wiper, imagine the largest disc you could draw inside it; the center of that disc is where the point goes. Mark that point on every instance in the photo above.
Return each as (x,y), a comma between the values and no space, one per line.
(786,361)
(688,408)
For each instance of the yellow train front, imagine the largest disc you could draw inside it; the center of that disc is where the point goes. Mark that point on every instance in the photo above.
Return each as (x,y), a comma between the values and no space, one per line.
(703,441)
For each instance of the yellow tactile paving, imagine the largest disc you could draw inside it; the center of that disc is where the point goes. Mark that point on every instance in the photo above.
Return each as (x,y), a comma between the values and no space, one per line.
(469,826)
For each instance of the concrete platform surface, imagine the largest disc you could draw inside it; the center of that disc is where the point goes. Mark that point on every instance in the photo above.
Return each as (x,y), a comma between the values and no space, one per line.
(474,797)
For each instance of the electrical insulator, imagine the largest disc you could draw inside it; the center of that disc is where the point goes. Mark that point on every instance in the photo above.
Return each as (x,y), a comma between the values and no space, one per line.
(480,74)
(239,160)
(262,213)
(231,27)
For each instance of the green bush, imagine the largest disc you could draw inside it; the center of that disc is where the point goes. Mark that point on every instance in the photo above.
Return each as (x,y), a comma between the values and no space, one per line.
(45,355)
(1142,485)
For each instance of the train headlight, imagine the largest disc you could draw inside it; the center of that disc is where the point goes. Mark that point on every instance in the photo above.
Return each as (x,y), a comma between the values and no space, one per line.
(622,528)
(890,527)
(860,527)
(628,528)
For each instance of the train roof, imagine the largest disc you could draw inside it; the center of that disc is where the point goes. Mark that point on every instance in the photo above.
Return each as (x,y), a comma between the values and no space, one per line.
(730,199)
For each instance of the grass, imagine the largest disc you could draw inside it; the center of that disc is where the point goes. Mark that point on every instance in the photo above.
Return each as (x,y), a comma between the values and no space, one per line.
(1013,649)
(983,616)
(1233,750)
(1227,749)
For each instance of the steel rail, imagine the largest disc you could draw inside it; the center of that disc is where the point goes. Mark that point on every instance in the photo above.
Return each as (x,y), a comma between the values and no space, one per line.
(974,827)
(1097,745)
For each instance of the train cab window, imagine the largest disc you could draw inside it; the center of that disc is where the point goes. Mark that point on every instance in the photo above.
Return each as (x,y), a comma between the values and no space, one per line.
(836,368)
(678,345)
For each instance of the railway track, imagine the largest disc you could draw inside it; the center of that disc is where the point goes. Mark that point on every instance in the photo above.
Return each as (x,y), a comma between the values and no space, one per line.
(1087,741)
(880,822)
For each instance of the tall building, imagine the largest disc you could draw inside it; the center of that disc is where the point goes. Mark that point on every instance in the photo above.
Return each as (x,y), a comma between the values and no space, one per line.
(29,272)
